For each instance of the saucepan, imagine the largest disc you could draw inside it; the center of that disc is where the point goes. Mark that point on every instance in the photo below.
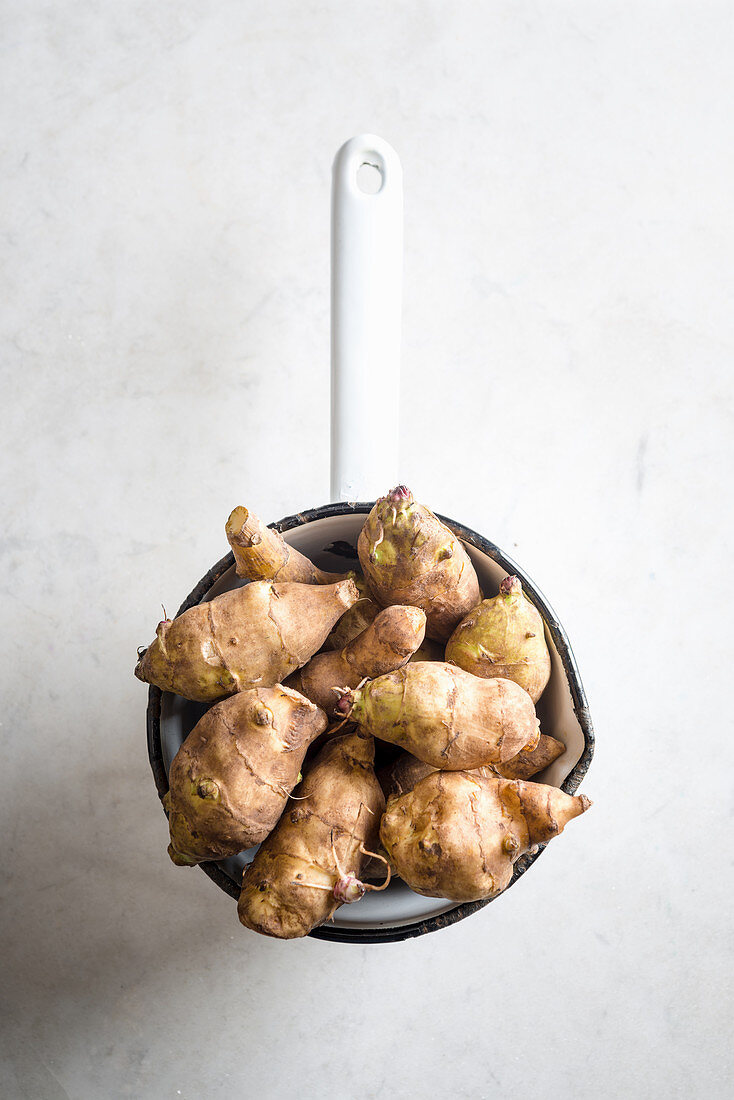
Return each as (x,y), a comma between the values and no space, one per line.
(366,289)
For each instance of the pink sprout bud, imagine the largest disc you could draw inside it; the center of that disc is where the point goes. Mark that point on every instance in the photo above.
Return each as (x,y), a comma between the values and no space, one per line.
(399,493)
(348,889)
(344,705)
(510,585)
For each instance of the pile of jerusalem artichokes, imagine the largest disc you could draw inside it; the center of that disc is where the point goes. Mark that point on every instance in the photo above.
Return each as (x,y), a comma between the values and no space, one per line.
(307,671)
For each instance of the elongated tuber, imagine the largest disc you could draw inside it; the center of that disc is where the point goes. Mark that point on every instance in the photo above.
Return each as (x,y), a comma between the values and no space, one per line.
(254,636)
(457,836)
(313,860)
(231,778)
(445,716)
(409,557)
(406,770)
(262,554)
(385,645)
(527,764)
(504,637)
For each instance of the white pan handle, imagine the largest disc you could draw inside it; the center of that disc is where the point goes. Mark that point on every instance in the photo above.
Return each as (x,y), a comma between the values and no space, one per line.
(366,310)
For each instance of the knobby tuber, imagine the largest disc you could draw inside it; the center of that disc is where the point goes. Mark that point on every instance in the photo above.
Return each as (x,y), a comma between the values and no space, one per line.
(230,780)
(457,835)
(254,636)
(445,716)
(385,645)
(311,862)
(504,637)
(409,557)
(262,554)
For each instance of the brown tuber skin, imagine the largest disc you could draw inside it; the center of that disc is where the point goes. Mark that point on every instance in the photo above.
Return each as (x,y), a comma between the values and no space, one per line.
(288,889)
(445,716)
(504,636)
(429,651)
(262,554)
(527,764)
(386,645)
(457,835)
(254,636)
(403,773)
(409,557)
(231,778)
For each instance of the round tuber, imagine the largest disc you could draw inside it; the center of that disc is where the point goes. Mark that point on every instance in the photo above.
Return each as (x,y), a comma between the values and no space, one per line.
(504,637)
(230,780)
(409,557)
(457,835)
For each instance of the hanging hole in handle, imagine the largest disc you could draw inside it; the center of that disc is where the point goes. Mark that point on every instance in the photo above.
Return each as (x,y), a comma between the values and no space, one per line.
(369,178)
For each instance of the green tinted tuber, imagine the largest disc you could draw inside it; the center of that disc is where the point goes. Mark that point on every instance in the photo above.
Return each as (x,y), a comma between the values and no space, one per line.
(445,716)
(504,637)
(409,557)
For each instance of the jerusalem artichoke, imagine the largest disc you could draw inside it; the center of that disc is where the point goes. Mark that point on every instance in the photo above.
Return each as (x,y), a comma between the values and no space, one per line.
(230,780)
(312,861)
(409,557)
(385,645)
(527,764)
(445,716)
(504,636)
(250,637)
(457,835)
(262,554)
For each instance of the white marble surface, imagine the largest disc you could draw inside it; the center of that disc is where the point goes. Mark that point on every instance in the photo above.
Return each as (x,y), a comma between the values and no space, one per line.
(566,390)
